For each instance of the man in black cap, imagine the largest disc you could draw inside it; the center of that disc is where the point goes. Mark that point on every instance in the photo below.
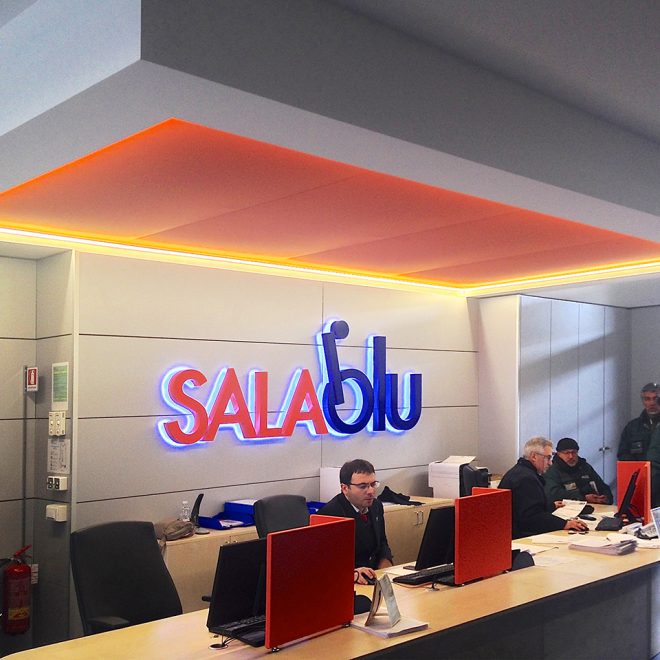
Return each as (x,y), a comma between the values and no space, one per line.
(572,478)
(636,435)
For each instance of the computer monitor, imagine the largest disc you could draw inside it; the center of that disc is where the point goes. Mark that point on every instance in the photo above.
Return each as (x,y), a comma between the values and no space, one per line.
(472,477)
(438,541)
(625,508)
(239,587)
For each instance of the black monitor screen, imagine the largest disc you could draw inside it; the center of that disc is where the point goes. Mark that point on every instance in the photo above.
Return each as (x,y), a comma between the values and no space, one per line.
(471,477)
(625,506)
(239,587)
(438,541)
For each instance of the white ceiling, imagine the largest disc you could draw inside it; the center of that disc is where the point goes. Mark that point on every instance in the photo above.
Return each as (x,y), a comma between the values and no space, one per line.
(598,55)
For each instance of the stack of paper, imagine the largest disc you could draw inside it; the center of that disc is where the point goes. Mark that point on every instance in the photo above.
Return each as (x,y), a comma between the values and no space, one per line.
(650,544)
(604,546)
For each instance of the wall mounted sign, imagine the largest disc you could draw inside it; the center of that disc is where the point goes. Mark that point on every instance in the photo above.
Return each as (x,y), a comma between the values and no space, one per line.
(31,379)
(375,392)
(60,386)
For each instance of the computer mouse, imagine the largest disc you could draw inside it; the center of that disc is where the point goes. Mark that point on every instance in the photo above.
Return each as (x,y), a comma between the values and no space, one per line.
(369,580)
(585,517)
(587,509)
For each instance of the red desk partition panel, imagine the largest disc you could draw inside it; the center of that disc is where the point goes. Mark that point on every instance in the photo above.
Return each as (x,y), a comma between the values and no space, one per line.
(483,534)
(641,501)
(309,583)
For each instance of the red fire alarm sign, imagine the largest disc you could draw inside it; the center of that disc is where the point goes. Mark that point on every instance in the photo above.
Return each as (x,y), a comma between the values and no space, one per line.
(31,379)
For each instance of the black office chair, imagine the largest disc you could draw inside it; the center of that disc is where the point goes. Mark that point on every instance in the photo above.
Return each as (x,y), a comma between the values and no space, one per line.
(278,512)
(120,576)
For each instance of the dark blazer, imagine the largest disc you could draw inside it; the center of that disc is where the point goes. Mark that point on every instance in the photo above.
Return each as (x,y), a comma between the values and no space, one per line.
(370,539)
(531,512)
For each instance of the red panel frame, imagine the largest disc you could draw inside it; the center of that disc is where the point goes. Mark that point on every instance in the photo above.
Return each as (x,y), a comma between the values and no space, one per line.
(309,585)
(483,534)
(641,500)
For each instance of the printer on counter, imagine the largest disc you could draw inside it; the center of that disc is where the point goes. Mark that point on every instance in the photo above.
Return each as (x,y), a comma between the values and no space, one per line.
(456,476)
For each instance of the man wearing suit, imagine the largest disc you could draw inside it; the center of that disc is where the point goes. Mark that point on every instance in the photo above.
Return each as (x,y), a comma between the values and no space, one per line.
(357,500)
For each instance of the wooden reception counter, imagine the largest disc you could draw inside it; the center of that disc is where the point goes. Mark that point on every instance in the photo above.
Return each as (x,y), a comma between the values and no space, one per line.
(577,604)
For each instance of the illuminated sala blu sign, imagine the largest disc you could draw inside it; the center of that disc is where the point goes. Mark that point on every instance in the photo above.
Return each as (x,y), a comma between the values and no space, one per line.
(375,394)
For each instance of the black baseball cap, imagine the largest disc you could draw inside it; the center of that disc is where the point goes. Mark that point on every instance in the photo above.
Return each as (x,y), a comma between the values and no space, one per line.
(566,444)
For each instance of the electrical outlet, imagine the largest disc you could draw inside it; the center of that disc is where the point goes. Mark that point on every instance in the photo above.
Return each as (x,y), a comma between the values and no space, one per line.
(54,482)
(56,512)
(57,423)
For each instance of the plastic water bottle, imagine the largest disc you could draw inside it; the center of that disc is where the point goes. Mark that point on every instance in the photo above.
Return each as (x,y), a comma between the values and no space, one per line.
(185,510)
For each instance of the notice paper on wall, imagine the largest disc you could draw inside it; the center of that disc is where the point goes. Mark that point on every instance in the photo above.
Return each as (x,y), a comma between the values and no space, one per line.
(59,450)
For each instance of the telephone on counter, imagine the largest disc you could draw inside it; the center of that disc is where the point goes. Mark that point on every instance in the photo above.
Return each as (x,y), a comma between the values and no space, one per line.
(194,516)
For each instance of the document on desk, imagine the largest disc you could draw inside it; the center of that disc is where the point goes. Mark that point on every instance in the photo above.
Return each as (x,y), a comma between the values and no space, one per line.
(550,539)
(527,547)
(571,509)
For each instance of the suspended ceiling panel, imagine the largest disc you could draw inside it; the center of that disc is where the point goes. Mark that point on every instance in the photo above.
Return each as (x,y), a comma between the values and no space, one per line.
(187,187)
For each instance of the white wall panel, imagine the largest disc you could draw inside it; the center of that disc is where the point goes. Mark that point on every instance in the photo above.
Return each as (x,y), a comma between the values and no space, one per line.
(11,513)
(168,505)
(15,354)
(563,370)
(498,382)
(17,298)
(55,284)
(407,319)
(591,384)
(616,382)
(645,356)
(121,376)
(124,457)
(583,350)
(11,462)
(535,325)
(407,480)
(448,378)
(136,297)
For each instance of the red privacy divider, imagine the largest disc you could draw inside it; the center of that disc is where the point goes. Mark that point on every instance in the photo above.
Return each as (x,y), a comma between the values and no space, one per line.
(483,534)
(309,579)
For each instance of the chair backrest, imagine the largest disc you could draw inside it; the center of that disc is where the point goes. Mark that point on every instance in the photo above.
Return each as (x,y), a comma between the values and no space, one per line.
(278,512)
(118,571)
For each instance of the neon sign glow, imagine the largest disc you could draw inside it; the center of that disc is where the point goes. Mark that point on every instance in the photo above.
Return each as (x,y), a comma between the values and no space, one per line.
(376,396)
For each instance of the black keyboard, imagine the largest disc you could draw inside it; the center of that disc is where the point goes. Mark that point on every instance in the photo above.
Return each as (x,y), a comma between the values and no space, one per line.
(431,574)
(238,629)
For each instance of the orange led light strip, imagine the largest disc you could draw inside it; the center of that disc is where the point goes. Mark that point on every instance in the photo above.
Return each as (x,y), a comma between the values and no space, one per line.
(92,245)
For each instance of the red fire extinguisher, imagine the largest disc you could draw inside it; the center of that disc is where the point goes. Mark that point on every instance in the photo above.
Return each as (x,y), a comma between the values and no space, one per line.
(16,580)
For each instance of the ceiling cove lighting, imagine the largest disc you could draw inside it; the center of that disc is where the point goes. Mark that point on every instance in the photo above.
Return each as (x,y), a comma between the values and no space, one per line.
(192,258)
(234,263)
